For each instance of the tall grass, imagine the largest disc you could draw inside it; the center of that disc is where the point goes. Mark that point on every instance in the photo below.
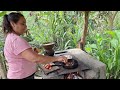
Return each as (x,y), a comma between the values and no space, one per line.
(106,48)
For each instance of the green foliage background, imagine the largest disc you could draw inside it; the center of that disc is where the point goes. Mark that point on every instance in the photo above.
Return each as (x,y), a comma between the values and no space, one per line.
(65,29)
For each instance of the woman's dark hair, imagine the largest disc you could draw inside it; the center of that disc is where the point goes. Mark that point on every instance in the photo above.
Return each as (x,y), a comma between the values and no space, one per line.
(14,17)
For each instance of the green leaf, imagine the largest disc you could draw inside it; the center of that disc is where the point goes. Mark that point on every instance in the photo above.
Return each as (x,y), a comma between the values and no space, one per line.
(2,13)
(93,46)
(88,49)
(66,44)
(118,34)
(61,14)
(112,33)
(114,43)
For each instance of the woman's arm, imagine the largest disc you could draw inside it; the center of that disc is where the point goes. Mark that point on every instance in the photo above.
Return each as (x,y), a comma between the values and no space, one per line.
(32,56)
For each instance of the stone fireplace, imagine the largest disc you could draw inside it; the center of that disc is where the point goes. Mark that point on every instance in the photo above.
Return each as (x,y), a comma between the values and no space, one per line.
(88,67)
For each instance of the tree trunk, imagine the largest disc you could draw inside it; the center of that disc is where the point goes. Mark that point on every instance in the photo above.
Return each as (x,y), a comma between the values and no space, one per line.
(81,43)
(3,69)
(111,18)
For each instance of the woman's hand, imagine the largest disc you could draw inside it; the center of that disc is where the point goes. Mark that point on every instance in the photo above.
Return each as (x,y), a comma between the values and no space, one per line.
(36,50)
(62,58)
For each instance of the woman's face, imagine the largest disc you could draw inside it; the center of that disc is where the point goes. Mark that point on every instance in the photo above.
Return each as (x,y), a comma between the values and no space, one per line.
(20,27)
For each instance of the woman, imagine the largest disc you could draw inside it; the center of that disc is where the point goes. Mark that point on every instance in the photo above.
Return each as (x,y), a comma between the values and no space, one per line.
(18,53)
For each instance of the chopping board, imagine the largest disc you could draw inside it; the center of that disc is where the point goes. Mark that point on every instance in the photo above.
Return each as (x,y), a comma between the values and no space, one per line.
(47,71)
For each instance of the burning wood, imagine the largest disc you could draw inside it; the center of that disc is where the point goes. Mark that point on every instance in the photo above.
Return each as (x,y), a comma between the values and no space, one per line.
(74,75)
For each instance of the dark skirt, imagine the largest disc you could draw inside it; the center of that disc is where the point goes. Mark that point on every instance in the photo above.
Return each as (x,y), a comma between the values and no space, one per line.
(30,77)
